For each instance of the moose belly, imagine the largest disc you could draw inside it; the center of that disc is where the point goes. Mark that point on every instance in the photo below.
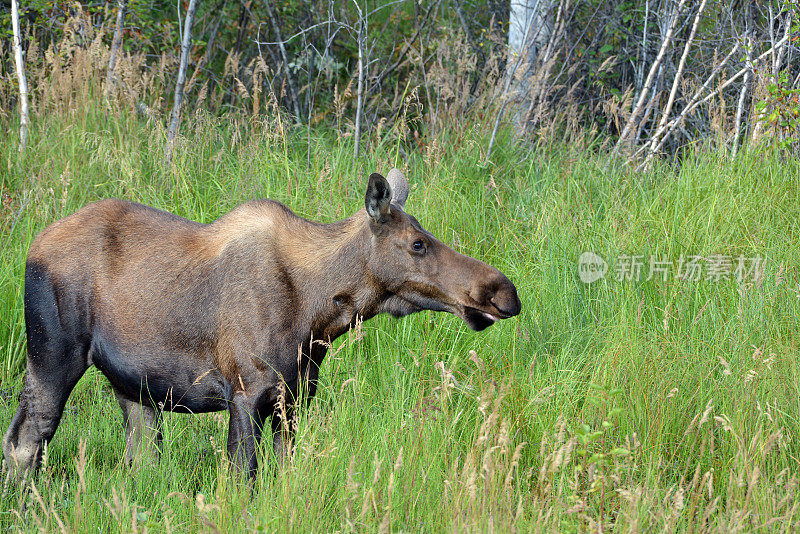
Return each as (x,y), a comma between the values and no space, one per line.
(172,380)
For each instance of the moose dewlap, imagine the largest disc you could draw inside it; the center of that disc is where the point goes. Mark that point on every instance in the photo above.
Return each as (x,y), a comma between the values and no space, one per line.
(193,317)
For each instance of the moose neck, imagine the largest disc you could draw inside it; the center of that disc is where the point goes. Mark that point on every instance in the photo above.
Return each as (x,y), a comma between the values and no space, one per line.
(327,263)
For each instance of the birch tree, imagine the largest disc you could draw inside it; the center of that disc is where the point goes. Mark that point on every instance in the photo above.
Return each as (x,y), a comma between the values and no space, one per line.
(23,81)
(529,28)
(632,121)
(186,44)
(527,33)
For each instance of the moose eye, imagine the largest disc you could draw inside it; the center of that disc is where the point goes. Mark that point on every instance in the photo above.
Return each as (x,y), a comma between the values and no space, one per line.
(418,246)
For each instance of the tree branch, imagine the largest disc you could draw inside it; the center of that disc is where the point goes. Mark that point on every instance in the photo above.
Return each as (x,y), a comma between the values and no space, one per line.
(285,56)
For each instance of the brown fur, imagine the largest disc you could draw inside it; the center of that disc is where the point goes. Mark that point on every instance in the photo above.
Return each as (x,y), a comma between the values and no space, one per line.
(202,317)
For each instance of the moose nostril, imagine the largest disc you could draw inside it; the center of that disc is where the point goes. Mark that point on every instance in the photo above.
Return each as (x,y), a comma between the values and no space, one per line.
(506,301)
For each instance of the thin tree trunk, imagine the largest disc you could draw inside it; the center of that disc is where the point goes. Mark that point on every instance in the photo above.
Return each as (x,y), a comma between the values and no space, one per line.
(643,58)
(548,60)
(176,108)
(782,49)
(244,20)
(649,82)
(210,46)
(122,6)
(362,23)
(23,81)
(676,82)
(293,93)
(465,28)
(649,108)
(697,101)
(749,22)
(742,99)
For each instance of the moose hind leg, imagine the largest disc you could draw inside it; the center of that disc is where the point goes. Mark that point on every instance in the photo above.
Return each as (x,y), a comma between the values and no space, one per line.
(41,404)
(142,431)
(57,358)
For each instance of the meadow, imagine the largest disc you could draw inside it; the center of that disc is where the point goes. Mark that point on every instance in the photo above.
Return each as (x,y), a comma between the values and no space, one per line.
(622,405)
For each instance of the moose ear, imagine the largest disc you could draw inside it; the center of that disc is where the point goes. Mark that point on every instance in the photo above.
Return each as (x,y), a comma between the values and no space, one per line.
(399,184)
(378,198)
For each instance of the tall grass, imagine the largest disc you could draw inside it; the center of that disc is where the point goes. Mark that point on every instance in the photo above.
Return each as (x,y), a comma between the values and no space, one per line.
(629,405)
(620,405)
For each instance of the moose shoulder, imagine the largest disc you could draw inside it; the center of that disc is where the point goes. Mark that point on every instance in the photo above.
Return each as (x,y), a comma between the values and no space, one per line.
(197,317)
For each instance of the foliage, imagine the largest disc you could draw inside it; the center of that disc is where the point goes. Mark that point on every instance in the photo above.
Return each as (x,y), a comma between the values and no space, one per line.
(780,107)
(781,110)
(586,74)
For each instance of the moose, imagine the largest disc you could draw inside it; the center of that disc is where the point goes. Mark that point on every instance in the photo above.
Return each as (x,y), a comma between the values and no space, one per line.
(233,315)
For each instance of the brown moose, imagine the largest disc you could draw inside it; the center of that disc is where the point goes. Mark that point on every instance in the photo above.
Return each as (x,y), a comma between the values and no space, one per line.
(193,317)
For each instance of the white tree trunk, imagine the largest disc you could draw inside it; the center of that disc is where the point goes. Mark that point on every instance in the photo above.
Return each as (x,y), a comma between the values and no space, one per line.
(529,28)
(528,32)
(23,81)
(176,108)
(662,125)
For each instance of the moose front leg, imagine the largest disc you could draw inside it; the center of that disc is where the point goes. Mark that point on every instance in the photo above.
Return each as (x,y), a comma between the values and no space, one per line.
(283,423)
(244,433)
(251,406)
(283,420)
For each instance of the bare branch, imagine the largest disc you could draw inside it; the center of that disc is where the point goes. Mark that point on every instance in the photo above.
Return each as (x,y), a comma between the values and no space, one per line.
(697,101)
(404,53)
(742,96)
(676,82)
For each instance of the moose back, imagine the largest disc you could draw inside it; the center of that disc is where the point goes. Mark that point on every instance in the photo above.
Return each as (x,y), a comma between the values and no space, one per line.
(193,317)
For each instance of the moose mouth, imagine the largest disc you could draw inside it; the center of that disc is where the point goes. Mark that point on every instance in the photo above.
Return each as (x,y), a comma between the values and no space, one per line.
(479,320)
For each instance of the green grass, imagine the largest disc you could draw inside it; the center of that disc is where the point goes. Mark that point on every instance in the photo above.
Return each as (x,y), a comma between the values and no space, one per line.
(621,405)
